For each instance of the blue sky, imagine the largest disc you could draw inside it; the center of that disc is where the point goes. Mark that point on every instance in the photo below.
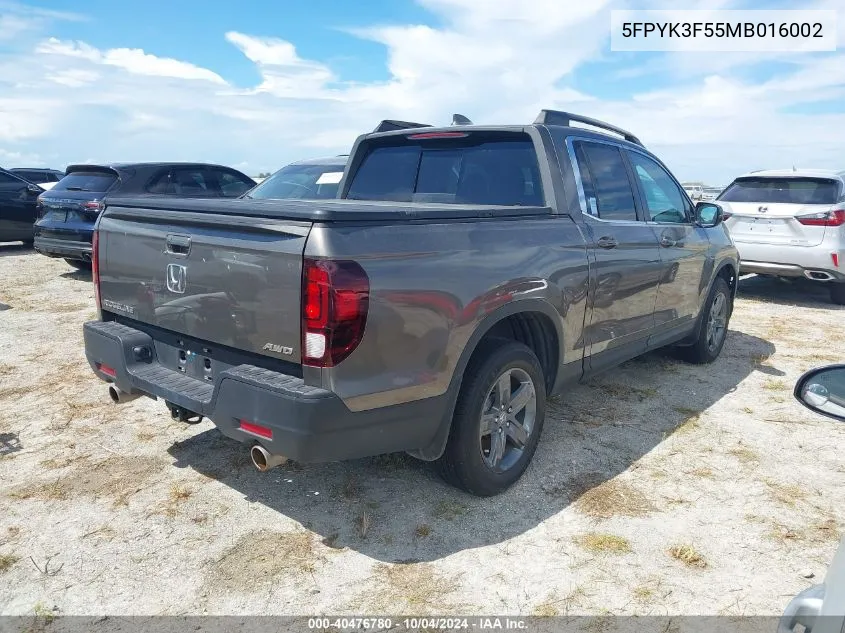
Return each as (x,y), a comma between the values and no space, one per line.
(257,84)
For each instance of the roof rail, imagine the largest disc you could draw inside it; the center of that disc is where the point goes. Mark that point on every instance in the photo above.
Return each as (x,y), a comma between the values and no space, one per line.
(388,125)
(557,117)
(460,119)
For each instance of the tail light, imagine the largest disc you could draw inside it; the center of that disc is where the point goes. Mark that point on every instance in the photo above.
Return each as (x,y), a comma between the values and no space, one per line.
(92,207)
(95,267)
(335,300)
(834,217)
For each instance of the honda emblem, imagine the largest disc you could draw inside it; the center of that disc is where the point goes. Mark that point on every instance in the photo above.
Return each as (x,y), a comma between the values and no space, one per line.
(177,277)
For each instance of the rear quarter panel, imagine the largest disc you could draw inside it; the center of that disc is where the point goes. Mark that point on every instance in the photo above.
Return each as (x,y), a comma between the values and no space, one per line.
(432,285)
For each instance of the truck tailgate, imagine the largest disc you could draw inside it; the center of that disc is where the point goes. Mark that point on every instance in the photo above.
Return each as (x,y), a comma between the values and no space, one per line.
(224,279)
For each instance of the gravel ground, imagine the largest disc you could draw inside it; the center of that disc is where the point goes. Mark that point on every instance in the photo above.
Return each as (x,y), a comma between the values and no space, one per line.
(658,488)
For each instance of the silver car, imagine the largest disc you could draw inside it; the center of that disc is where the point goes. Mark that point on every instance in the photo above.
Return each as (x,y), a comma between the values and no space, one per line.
(790,223)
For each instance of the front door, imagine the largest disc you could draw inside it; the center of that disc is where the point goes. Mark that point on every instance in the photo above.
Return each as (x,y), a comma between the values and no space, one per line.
(684,248)
(625,256)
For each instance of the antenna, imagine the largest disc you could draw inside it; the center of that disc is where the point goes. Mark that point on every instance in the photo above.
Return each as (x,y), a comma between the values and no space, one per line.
(460,119)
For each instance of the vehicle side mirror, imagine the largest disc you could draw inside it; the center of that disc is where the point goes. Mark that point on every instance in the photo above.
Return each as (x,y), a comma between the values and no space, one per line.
(708,214)
(823,390)
(34,189)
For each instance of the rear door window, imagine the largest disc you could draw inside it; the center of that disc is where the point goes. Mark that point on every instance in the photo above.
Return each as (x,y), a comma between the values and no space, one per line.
(181,182)
(604,178)
(475,169)
(783,190)
(99,181)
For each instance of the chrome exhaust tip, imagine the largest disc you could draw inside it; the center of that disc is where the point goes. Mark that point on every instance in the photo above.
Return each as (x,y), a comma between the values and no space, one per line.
(118,396)
(818,275)
(263,460)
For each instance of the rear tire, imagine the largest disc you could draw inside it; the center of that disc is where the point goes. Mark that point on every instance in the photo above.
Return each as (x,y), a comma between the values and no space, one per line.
(79,264)
(716,315)
(837,293)
(498,419)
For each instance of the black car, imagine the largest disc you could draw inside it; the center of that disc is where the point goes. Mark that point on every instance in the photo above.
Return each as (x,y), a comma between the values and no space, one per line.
(67,212)
(38,175)
(17,207)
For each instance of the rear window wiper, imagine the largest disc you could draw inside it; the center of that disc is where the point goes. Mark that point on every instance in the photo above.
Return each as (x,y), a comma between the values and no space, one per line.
(76,189)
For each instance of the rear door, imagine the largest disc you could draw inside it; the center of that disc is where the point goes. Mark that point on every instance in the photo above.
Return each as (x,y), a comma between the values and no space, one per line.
(17,208)
(683,246)
(763,210)
(625,252)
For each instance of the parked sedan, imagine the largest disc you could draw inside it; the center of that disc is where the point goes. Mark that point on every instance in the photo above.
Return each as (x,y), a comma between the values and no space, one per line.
(317,178)
(790,223)
(17,207)
(44,178)
(68,212)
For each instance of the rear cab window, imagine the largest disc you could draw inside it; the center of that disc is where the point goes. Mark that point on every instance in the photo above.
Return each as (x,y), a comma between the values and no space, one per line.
(478,168)
(94,180)
(799,190)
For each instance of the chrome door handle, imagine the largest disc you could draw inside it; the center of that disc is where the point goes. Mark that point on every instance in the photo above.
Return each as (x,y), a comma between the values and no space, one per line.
(607,242)
(667,242)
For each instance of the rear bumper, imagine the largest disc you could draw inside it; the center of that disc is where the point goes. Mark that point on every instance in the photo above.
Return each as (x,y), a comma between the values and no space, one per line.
(826,273)
(70,249)
(308,424)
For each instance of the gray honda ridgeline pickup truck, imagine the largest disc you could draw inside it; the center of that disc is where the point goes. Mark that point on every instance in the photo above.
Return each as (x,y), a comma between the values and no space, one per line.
(463,274)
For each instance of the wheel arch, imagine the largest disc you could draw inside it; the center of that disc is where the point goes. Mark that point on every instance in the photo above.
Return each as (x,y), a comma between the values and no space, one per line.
(531,321)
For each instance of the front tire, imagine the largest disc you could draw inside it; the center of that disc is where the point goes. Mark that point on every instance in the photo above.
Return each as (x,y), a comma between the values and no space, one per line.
(498,419)
(837,293)
(714,326)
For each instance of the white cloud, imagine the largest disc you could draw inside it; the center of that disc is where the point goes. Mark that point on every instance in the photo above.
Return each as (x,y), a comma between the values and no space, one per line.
(495,61)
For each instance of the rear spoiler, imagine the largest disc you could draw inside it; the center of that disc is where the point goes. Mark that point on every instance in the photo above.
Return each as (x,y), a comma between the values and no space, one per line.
(389,125)
(91,167)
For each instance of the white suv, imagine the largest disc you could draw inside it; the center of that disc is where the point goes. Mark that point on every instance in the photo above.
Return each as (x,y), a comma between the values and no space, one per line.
(790,224)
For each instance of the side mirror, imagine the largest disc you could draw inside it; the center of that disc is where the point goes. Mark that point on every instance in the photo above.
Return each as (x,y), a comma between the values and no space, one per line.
(823,390)
(708,214)
(34,189)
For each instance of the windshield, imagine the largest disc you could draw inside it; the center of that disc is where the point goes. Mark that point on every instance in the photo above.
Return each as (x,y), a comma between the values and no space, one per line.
(98,181)
(300,182)
(783,190)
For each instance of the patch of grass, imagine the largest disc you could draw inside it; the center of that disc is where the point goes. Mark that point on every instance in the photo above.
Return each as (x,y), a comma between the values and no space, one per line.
(6,369)
(57,463)
(643,593)
(391,461)
(688,555)
(350,488)
(14,392)
(704,473)
(44,613)
(687,411)
(6,562)
(422,531)
(745,455)
(364,522)
(600,543)
(266,555)
(145,436)
(747,410)
(787,494)
(449,510)
(614,498)
(546,609)
(822,358)
(413,588)
(774,384)
(627,392)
